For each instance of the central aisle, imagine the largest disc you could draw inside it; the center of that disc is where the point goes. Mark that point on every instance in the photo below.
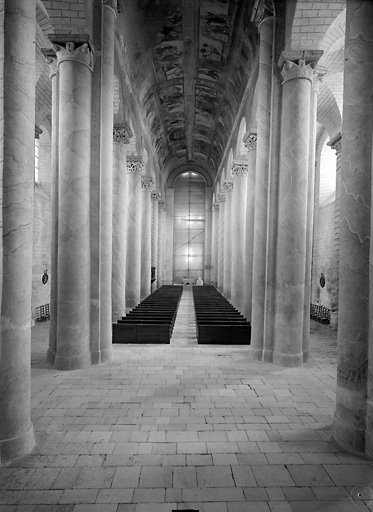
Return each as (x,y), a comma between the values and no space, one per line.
(184,332)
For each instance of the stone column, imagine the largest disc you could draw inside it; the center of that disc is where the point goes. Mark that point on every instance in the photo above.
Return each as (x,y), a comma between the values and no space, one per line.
(156,195)
(214,244)
(161,241)
(122,135)
(240,173)
(133,242)
(250,141)
(228,187)
(262,185)
(146,230)
(16,430)
(208,237)
(353,419)
(336,144)
(73,313)
(54,76)
(291,250)
(319,72)
(109,12)
(221,262)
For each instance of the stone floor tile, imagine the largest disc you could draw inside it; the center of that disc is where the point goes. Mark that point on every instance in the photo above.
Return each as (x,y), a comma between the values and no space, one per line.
(255,494)
(124,507)
(126,477)
(276,475)
(269,447)
(115,496)
(94,478)
(284,458)
(184,477)
(95,508)
(224,459)
(350,474)
(155,507)
(298,493)
(42,478)
(323,506)
(103,448)
(173,495)
(331,493)
(309,475)
(280,506)
(199,460)
(149,496)
(66,478)
(214,476)
(191,448)
(243,476)
(215,507)
(214,494)
(320,458)
(248,459)
(253,506)
(155,477)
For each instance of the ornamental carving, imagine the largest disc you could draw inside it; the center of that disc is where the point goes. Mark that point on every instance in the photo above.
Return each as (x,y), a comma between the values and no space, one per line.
(38,132)
(161,204)
(228,186)
(240,169)
(147,183)
(156,195)
(352,378)
(336,143)
(216,207)
(122,133)
(250,140)
(114,5)
(51,57)
(77,52)
(263,10)
(222,198)
(134,164)
(299,64)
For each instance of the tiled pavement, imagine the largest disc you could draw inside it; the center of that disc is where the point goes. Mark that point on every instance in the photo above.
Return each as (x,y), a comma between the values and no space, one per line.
(165,428)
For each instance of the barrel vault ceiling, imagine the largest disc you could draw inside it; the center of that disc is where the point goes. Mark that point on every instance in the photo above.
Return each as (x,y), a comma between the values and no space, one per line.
(189,63)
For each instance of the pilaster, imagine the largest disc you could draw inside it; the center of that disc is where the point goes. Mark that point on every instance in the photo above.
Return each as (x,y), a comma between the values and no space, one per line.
(147,184)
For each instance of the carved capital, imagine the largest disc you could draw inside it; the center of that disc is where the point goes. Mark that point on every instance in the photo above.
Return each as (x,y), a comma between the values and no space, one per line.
(250,140)
(336,143)
(38,132)
(156,196)
(263,10)
(114,5)
(228,186)
(161,204)
(240,169)
(147,182)
(74,52)
(221,198)
(51,57)
(216,208)
(134,164)
(299,64)
(122,133)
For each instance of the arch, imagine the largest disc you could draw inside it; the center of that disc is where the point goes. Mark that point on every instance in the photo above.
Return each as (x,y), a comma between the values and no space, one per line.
(188,167)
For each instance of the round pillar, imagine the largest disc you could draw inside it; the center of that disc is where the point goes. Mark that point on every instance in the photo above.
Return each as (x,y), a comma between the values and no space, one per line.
(146,227)
(119,249)
(259,271)
(240,173)
(228,187)
(353,419)
(73,312)
(155,234)
(250,143)
(133,263)
(214,244)
(291,250)
(16,430)
(221,266)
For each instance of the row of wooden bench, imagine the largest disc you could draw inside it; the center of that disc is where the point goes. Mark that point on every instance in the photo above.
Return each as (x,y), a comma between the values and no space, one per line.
(218,322)
(152,321)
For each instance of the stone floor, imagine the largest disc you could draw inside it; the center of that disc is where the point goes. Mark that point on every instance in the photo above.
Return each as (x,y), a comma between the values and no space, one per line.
(183,426)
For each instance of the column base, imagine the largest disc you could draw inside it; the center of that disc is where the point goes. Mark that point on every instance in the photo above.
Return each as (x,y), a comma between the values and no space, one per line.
(256,353)
(72,363)
(306,355)
(369,443)
(16,447)
(348,437)
(289,360)
(268,356)
(102,356)
(51,356)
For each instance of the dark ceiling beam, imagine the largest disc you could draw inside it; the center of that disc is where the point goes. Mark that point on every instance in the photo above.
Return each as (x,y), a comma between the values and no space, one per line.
(191,49)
